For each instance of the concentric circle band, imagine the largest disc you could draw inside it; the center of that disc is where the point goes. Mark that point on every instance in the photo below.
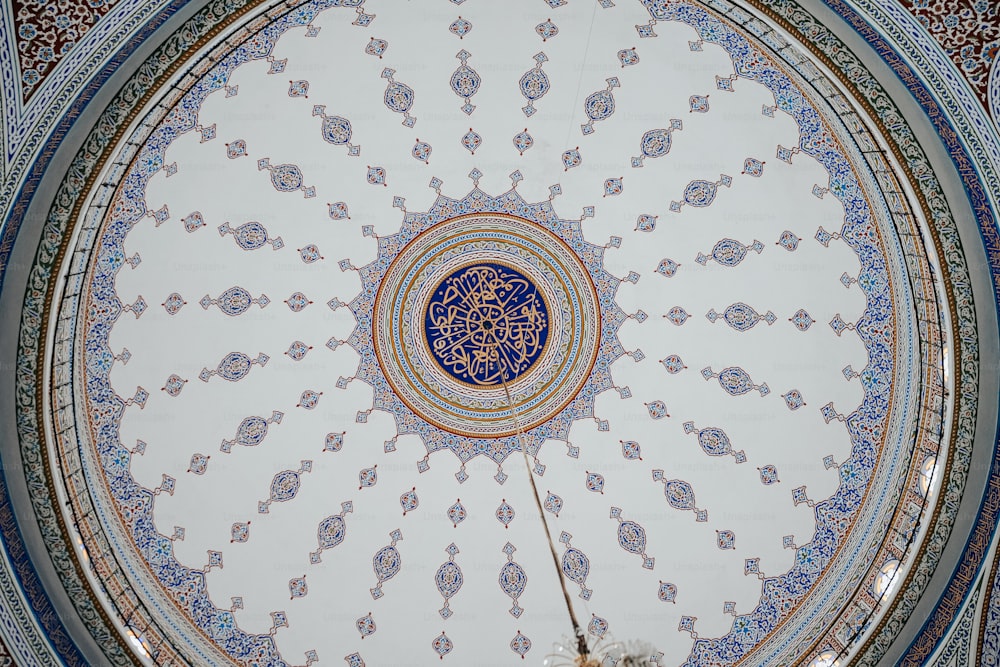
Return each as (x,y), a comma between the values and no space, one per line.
(534,295)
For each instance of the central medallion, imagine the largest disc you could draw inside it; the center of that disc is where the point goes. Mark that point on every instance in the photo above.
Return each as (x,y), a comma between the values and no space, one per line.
(486,324)
(481,305)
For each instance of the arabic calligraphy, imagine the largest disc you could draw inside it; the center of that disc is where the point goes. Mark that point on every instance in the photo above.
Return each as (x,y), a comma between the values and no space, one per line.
(486,324)
(476,302)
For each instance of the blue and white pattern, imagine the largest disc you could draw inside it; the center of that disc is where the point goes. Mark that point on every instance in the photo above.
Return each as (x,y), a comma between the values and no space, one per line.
(680,495)
(400,269)
(534,84)
(398,97)
(336,130)
(599,105)
(331,532)
(632,538)
(897,37)
(575,565)
(251,431)
(421,402)
(513,579)
(449,580)
(656,143)
(465,82)
(729,252)
(386,563)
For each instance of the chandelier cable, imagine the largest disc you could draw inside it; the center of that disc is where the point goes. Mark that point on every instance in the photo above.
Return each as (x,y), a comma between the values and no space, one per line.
(581,639)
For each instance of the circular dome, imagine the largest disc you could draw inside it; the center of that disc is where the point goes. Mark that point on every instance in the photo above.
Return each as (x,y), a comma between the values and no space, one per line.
(357,352)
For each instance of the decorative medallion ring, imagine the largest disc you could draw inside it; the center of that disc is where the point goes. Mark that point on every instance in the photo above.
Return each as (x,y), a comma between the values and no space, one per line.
(481,304)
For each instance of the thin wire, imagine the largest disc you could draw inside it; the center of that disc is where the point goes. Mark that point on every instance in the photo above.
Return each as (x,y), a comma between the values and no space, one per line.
(581,639)
(583,68)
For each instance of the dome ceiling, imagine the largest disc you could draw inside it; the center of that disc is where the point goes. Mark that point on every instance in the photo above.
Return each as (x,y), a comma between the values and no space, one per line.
(390,333)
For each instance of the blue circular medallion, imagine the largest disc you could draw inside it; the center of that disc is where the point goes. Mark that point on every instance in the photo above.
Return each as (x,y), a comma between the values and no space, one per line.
(486,324)
(481,309)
